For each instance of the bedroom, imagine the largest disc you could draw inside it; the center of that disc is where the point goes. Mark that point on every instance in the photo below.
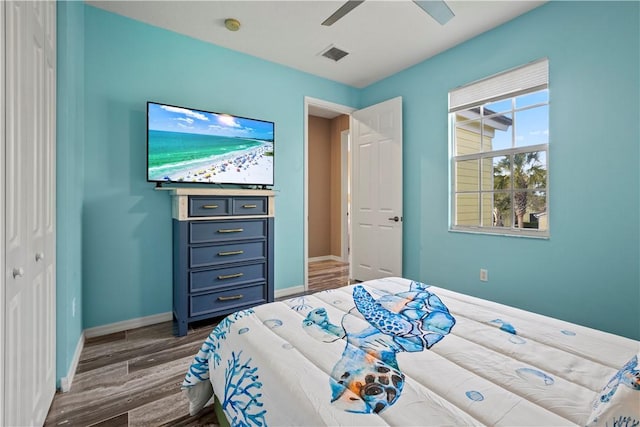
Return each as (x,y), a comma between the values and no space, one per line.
(586,273)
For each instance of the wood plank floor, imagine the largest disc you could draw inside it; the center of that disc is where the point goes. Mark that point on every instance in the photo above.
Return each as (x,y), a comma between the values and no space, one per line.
(133,378)
(327,275)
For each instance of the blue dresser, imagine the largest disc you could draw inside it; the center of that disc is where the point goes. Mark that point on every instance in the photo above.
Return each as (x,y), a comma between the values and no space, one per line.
(222,252)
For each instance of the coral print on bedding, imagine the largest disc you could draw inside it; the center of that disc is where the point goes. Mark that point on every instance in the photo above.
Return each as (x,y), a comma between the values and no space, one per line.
(398,352)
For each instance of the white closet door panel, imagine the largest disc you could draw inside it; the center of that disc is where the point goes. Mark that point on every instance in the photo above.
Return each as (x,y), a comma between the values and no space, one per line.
(48,384)
(3,269)
(19,217)
(35,338)
(49,158)
(13,381)
(14,133)
(49,212)
(43,217)
(36,142)
(29,212)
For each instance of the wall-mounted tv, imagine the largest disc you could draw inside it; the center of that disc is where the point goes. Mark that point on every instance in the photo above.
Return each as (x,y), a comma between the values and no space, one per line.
(185,145)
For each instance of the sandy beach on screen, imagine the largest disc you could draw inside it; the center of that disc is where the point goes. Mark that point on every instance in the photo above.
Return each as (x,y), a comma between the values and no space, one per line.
(251,166)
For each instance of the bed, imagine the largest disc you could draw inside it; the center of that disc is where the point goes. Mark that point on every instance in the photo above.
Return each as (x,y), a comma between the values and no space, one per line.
(397,352)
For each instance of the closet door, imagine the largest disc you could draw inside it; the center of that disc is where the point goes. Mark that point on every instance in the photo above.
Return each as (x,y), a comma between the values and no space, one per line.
(29,380)
(3,97)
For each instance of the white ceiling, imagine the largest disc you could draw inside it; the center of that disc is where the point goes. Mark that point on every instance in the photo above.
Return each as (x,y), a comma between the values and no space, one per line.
(382,37)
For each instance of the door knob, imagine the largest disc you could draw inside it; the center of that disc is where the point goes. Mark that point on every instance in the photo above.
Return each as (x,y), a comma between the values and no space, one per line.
(39,256)
(18,272)
(395,218)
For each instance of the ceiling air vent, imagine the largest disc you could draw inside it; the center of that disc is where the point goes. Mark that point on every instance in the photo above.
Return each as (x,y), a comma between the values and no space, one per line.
(334,53)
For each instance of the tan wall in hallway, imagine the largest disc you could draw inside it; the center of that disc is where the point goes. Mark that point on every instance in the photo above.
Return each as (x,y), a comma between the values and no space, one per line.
(338,125)
(319,186)
(325,187)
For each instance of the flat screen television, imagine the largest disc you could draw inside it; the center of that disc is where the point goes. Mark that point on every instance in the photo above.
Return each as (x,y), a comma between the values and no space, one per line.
(185,145)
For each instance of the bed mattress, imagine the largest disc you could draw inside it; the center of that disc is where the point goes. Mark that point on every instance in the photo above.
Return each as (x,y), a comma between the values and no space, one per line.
(397,352)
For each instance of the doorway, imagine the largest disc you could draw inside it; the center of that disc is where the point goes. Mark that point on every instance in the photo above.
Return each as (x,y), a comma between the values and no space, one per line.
(375,219)
(326,179)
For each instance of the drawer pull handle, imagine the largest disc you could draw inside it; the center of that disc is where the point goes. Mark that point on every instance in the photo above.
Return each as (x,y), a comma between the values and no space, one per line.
(230,253)
(230,276)
(209,206)
(231,230)
(249,206)
(240,296)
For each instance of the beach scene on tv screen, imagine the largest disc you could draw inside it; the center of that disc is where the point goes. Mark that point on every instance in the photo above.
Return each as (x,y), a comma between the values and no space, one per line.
(187,145)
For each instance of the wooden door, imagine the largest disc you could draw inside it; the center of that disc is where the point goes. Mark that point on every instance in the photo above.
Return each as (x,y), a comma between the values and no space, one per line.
(29,243)
(377,191)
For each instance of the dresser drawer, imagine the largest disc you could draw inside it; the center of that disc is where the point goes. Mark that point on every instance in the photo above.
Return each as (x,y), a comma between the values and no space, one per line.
(250,206)
(220,231)
(207,279)
(233,252)
(229,299)
(209,206)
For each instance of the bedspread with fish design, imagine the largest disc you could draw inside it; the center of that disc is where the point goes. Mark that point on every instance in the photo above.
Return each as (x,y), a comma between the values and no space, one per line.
(397,352)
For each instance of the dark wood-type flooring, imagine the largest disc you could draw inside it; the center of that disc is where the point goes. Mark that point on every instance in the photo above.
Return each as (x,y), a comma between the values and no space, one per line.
(133,378)
(327,275)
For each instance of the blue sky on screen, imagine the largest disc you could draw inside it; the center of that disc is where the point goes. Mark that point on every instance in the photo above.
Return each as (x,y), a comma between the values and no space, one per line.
(179,119)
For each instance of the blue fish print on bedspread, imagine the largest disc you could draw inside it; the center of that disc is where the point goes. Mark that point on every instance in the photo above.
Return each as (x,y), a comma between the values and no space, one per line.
(367,378)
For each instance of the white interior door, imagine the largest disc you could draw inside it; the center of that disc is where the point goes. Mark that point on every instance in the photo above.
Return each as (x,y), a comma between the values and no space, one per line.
(29,299)
(3,104)
(376,153)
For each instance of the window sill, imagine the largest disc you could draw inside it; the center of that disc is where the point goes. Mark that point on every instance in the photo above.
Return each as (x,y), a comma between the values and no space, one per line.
(524,233)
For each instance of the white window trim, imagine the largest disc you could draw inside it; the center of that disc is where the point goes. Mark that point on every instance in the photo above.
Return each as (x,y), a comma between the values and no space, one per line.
(508,84)
(497,231)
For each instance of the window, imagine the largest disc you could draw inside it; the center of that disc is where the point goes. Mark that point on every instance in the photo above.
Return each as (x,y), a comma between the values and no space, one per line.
(500,152)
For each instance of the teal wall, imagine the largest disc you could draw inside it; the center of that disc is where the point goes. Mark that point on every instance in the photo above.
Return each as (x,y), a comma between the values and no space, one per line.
(114,248)
(69,178)
(126,237)
(588,271)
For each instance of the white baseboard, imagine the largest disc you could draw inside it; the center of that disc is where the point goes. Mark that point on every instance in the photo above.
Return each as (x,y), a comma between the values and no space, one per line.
(279,293)
(326,258)
(65,382)
(128,324)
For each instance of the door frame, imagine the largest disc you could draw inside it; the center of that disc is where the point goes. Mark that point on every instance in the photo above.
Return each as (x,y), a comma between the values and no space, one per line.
(2,213)
(338,108)
(345,244)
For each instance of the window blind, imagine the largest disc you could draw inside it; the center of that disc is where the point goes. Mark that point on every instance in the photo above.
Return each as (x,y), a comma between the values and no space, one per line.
(502,85)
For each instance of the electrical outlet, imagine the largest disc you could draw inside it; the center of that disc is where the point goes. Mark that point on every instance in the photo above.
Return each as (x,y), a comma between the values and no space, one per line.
(484,275)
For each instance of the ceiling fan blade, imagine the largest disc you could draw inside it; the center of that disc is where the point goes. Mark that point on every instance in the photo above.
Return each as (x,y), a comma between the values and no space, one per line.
(343,10)
(438,10)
